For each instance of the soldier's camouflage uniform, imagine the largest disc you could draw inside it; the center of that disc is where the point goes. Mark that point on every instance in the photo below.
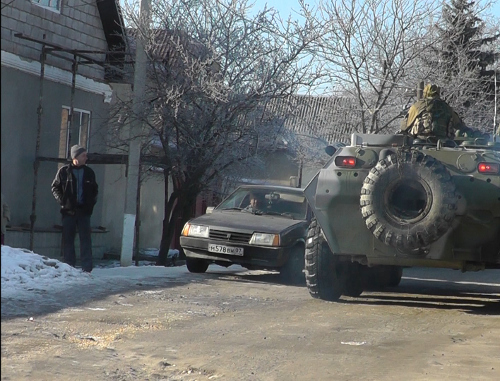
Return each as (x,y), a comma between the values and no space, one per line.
(431,116)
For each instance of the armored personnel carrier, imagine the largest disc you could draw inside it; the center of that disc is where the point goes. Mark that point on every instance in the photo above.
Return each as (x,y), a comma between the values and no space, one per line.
(386,202)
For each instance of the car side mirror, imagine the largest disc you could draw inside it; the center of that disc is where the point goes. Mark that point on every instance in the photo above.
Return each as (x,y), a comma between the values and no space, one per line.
(330,150)
(210,209)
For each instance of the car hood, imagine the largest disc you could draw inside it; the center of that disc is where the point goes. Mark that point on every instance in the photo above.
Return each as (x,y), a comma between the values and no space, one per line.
(245,221)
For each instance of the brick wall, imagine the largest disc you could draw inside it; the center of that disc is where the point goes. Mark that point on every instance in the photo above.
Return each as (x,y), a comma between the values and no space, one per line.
(77,26)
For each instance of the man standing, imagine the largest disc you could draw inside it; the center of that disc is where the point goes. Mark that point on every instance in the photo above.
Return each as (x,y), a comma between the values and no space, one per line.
(75,189)
(431,116)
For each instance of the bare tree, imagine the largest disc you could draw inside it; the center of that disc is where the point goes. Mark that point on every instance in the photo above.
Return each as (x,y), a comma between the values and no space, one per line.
(367,48)
(465,60)
(213,71)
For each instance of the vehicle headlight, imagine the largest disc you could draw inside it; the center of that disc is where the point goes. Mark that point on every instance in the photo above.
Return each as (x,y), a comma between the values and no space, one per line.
(190,230)
(265,239)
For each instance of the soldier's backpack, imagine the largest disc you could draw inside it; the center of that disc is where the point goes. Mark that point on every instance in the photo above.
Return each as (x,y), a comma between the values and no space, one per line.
(434,119)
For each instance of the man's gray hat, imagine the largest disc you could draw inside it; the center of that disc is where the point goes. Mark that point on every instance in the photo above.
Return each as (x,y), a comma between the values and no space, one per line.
(77,150)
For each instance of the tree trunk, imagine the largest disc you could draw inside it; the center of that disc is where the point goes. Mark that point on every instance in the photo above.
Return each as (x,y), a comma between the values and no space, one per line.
(178,205)
(167,233)
(167,211)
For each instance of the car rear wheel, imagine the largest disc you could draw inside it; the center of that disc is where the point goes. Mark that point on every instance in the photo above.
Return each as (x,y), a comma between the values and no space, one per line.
(196,265)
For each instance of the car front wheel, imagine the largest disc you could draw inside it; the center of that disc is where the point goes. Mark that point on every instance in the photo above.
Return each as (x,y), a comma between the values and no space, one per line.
(196,265)
(292,271)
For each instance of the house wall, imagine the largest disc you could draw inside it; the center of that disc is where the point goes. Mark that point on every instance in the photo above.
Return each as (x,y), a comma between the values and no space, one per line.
(76,26)
(19,122)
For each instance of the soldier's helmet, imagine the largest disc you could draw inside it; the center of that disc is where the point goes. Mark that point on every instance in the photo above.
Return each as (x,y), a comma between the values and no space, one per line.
(431,91)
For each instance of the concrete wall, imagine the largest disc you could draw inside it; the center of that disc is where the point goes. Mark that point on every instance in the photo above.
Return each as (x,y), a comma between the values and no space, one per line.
(151,215)
(48,243)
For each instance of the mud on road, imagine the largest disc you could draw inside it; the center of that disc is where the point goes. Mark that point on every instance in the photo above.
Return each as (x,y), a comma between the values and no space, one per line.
(245,325)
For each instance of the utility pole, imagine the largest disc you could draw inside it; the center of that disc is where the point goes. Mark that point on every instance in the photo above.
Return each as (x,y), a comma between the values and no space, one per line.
(496,129)
(135,129)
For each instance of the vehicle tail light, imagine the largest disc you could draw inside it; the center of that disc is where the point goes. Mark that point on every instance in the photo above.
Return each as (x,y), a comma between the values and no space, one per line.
(345,161)
(488,168)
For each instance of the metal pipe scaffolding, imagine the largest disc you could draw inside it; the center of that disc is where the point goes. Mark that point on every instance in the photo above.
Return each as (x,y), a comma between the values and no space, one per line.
(36,164)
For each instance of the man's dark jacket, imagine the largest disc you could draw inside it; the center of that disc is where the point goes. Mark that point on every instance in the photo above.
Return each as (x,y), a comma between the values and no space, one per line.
(65,192)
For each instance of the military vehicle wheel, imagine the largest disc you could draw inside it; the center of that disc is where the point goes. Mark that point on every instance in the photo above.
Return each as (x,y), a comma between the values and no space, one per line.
(196,265)
(293,270)
(350,278)
(326,277)
(408,200)
(379,277)
(321,278)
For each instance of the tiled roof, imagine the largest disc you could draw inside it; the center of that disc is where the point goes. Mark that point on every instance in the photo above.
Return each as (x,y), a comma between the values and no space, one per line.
(330,118)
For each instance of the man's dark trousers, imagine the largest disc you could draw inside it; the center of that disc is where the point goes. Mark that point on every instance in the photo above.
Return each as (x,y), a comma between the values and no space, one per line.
(70,224)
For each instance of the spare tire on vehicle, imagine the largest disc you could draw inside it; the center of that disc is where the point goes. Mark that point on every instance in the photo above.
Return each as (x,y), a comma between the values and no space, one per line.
(408,200)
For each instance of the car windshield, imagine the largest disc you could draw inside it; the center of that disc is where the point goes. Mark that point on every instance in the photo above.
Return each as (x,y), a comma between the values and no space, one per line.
(282,202)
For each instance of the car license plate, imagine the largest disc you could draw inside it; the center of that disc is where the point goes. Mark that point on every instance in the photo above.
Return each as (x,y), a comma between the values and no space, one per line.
(225,249)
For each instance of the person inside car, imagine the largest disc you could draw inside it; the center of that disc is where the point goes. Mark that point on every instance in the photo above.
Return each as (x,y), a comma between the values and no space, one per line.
(257,202)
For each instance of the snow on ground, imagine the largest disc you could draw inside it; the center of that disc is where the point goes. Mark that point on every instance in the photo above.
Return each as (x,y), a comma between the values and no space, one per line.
(25,273)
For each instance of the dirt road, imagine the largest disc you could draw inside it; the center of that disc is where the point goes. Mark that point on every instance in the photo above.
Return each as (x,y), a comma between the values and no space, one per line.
(437,325)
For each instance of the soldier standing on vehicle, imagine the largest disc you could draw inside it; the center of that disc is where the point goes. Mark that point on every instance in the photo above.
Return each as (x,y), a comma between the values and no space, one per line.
(431,116)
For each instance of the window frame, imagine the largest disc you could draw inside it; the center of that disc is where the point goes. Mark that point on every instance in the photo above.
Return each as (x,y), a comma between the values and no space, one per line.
(82,112)
(55,9)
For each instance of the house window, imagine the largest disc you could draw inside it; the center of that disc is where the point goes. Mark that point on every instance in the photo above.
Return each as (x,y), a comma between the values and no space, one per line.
(77,132)
(51,4)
